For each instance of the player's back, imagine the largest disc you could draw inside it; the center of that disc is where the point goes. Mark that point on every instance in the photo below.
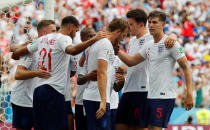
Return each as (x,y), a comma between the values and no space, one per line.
(52,58)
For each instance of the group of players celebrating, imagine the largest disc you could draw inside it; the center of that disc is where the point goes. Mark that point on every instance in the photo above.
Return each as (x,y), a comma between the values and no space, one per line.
(41,97)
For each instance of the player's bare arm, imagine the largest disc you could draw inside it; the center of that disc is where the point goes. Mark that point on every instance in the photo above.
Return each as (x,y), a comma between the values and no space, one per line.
(23,74)
(21,51)
(78,48)
(82,79)
(15,48)
(82,61)
(188,78)
(130,60)
(102,84)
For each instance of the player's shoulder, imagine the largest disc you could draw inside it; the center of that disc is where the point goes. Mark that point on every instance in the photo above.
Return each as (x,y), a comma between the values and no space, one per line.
(133,38)
(149,38)
(58,36)
(103,43)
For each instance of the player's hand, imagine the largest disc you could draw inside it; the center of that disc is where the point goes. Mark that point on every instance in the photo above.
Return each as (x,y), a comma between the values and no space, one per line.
(116,49)
(119,82)
(43,74)
(99,35)
(101,110)
(170,41)
(120,70)
(93,75)
(188,103)
(119,78)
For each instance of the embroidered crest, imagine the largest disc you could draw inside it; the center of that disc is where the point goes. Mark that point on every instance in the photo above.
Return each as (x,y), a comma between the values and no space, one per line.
(160,48)
(141,41)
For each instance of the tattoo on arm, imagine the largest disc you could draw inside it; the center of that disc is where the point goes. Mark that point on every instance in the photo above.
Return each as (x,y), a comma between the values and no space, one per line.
(184,65)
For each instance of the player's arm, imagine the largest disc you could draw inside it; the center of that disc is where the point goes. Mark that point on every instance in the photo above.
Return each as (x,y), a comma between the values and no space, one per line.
(188,78)
(102,84)
(82,59)
(82,79)
(16,48)
(23,74)
(130,60)
(78,48)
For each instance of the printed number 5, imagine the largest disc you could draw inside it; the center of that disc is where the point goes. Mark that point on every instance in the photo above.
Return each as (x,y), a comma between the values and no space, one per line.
(159,115)
(49,58)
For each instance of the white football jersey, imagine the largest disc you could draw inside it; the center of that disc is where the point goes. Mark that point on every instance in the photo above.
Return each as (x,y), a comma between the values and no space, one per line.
(137,76)
(22,91)
(161,62)
(80,88)
(71,67)
(103,50)
(51,49)
(114,99)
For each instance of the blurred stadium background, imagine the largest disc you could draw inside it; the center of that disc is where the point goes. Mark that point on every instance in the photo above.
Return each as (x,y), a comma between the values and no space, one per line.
(190,20)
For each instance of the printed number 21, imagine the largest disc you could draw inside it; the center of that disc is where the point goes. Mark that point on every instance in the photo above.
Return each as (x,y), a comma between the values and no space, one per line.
(49,58)
(159,114)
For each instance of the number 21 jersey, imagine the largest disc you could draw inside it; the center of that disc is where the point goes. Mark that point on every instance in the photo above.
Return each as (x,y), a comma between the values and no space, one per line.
(52,58)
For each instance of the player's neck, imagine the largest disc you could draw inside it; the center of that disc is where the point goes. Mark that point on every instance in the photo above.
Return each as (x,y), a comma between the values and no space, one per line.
(157,37)
(111,37)
(141,33)
(63,31)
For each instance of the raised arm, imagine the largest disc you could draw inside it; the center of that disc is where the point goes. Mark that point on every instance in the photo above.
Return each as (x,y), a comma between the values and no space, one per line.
(19,50)
(78,48)
(130,60)
(188,78)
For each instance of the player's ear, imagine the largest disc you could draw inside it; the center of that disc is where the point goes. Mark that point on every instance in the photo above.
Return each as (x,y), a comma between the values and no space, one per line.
(117,31)
(163,24)
(70,26)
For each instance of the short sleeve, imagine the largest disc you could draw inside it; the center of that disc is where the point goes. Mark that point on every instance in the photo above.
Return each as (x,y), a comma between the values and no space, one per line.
(33,47)
(177,51)
(81,70)
(105,52)
(25,61)
(63,42)
(143,51)
(72,64)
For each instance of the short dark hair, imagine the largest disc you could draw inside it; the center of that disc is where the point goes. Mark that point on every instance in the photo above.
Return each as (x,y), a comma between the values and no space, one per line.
(138,15)
(157,14)
(84,32)
(118,23)
(44,23)
(70,20)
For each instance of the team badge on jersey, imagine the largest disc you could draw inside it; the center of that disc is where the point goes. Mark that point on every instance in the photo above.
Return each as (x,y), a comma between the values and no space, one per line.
(141,41)
(160,48)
